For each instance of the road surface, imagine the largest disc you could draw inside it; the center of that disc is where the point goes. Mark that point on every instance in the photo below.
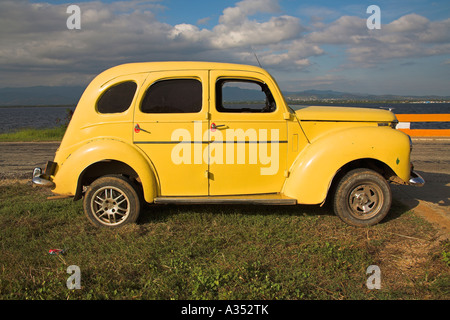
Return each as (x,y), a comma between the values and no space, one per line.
(431,159)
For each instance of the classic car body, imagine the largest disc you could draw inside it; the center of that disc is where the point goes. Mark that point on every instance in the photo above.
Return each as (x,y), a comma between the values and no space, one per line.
(171,132)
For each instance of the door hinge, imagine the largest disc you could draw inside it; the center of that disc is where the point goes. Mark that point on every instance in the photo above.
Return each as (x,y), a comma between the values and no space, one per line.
(287,116)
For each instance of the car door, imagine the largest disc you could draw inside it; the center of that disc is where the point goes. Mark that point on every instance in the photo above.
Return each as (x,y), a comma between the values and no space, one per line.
(170,122)
(248,135)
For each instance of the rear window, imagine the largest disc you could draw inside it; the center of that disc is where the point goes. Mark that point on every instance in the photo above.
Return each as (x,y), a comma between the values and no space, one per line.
(173,96)
(117,98)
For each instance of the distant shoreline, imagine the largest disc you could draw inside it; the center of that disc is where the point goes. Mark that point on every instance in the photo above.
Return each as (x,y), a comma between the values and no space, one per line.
(288,100)
(343,101)
(16,118)
(42,106)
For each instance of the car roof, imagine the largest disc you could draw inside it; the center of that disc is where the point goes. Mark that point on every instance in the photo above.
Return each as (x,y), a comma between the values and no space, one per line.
(144,67)
(182,65)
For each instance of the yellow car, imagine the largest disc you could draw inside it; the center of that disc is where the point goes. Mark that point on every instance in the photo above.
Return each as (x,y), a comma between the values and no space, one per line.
(200,132)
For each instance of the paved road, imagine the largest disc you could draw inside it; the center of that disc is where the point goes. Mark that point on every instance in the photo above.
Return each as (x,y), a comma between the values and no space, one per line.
(18,159)
(431,158)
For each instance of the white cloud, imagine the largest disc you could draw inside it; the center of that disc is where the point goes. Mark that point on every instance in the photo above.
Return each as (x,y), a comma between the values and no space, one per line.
(237,35)
(410,36)
(35,37)
(345,30)
(203,21)
(37,48)
(408,23)
(234,15)
(250,32)
(236,29)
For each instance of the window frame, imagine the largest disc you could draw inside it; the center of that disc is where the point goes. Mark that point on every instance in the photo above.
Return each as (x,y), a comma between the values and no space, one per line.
(172,79)
(264,88)
(101,96)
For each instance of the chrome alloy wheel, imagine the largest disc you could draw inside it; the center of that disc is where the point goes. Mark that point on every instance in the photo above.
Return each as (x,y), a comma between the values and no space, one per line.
(110,206)
(365,201)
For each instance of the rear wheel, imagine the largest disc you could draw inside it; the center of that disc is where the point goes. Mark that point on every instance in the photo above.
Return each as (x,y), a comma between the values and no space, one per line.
(362,198)
(112,201)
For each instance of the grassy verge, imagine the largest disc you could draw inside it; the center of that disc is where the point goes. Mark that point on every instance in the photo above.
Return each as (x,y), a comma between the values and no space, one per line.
(33,135)
(214,252)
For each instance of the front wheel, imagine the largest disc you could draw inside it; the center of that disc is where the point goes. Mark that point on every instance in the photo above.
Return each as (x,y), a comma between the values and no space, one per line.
(112,201)
(362,198)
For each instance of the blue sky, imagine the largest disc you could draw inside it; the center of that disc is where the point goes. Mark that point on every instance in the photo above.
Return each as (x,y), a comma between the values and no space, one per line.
(319,44)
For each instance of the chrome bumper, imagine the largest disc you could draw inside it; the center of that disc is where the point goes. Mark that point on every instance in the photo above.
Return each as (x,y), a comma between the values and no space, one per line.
(416,180)
(41,179)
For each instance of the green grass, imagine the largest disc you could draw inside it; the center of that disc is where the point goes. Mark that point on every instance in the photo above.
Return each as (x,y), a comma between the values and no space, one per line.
(30,134)
(214,252)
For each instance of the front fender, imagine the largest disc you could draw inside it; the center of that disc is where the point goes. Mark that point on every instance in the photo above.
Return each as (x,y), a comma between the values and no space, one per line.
(69,169)
(313,170)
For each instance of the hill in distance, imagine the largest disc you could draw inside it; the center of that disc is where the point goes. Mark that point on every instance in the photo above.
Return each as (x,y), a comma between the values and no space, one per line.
(40,95)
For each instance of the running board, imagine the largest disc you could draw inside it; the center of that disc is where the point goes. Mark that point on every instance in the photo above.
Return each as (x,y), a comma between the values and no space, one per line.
(265,199)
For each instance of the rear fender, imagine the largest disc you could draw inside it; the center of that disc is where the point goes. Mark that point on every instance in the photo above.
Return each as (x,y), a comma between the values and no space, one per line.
(67,175)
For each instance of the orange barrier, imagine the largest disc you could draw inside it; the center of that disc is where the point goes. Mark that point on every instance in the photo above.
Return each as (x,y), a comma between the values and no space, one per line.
(406,119)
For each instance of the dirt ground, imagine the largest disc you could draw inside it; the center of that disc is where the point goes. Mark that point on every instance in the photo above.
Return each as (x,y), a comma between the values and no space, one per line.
(18,159)
(431,158)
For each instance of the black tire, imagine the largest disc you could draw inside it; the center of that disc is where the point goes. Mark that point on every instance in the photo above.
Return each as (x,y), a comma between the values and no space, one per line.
(362,198)
(112,201)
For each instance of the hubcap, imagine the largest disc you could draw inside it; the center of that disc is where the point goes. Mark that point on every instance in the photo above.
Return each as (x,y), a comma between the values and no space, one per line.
(110,206)
(365,201)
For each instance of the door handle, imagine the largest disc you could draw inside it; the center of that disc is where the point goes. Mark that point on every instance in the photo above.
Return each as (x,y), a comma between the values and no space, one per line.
(214,126)
(138,129)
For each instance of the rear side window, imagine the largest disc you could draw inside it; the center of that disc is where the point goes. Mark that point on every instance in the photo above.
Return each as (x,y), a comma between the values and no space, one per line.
(117,98)
(173,96)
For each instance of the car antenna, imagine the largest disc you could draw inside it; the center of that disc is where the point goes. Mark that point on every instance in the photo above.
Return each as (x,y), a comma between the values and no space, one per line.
(254,53)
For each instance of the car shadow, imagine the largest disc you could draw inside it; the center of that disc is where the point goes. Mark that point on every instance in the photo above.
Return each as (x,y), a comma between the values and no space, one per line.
(405,198)
(436,191)
(160,213)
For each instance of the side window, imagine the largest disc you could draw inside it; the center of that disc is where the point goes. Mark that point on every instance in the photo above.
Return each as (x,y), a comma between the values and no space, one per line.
(117,98)
(243,96)
(173,96)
